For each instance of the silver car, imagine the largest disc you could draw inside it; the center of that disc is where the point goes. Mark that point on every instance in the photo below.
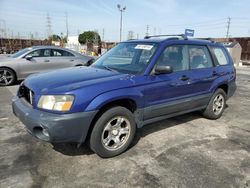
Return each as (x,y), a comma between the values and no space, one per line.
(38,59)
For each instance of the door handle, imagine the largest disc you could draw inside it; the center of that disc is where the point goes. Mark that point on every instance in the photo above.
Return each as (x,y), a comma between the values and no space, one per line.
(184,78)
(71,60)
(215,73)
(46,60)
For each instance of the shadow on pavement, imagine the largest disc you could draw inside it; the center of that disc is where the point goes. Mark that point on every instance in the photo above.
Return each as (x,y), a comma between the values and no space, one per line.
(71,149)
(164,124)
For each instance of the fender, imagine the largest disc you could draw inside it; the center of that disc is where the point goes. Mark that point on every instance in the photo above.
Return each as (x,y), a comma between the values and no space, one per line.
(126,93)
(219,81)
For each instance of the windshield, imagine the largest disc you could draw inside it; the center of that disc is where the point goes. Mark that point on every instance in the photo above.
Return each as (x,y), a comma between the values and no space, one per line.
(20,52)
(129,58)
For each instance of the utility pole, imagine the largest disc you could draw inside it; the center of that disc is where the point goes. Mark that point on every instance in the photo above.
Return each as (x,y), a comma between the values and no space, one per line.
(228,26)
(147,30)
(121,9)
(103,32)
(96,37)
(49,30)
(3,28)
(67,26)
(130,35)
(154,31)
(159,31)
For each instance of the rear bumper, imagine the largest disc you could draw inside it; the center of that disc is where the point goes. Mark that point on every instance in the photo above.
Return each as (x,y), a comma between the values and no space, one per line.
(53,127)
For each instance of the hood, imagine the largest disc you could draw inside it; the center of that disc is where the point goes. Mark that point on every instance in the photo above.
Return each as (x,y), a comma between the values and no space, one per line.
(8,61)
(4,58)
(69,79)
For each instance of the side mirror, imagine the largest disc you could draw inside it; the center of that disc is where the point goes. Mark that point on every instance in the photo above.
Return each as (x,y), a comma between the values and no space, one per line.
(163,70)
(28,57)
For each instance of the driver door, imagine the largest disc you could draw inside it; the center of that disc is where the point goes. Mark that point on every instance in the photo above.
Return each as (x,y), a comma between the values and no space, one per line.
(39,62)
(167,93)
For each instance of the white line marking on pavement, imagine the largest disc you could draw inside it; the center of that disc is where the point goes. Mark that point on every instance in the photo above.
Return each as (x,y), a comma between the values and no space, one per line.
(13,89)
(3,119)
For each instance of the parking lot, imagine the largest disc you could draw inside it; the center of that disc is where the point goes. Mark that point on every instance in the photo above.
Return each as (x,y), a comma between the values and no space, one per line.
(185,151)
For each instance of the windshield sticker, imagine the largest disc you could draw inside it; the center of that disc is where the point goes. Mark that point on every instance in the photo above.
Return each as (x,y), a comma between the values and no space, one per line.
(144,47)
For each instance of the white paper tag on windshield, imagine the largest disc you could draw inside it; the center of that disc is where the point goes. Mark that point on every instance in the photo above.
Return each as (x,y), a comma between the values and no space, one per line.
(144,47)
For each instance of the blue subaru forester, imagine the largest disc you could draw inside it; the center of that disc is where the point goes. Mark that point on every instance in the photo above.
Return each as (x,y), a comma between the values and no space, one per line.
(135,83)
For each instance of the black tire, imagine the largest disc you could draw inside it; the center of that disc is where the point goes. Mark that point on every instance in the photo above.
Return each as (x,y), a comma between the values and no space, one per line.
(209,112)
(7,76)
(98,133)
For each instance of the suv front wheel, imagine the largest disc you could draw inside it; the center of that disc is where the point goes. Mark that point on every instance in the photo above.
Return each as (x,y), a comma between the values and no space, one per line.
(113,132)
(216,105)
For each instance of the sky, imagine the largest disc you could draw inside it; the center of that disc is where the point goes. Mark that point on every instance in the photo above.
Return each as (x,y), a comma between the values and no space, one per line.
(207,17)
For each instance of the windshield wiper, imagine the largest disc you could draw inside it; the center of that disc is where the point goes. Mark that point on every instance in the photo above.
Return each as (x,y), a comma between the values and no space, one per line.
(108,68)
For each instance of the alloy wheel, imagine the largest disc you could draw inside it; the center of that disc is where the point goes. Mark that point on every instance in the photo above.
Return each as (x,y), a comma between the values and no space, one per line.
(218,104)
(116,133)
(6,77)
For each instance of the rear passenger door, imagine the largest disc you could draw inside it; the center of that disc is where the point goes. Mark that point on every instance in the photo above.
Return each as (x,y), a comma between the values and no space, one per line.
(61,59)
(202,70)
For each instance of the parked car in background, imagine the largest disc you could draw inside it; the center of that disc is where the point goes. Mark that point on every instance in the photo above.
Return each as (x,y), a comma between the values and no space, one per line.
(136,83)
(38,59)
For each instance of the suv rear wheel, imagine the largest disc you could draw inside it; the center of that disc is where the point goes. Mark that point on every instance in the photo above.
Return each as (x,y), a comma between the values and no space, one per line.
(216,105)
(113,132)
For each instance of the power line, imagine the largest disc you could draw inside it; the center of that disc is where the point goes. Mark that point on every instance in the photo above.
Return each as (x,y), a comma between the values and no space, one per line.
(130,35)
(197,23)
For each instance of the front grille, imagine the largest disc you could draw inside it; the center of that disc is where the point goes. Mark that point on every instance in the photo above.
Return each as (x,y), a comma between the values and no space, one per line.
(26,93)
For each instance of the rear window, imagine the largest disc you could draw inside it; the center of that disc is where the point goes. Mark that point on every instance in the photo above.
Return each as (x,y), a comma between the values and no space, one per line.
(221,56)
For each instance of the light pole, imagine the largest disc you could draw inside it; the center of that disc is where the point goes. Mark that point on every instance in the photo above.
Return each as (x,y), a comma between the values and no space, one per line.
(3,28)
(121,9)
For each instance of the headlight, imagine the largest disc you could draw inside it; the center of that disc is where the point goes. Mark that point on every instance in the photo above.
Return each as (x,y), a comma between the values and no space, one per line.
(56,102)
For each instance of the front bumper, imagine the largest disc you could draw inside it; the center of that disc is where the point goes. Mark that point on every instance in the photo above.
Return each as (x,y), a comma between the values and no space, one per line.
(53,127)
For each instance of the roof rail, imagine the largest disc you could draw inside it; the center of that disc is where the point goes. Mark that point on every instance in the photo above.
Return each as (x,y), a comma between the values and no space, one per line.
(208,39)
(177,35)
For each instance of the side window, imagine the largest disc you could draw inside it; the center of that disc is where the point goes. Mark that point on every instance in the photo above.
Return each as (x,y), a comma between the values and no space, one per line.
(175,56)
(57,52)
(46,53)
(221,56)
(199,57)
(35,53)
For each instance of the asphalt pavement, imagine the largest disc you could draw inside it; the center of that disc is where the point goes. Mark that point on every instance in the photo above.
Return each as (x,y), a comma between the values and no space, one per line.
(185,151)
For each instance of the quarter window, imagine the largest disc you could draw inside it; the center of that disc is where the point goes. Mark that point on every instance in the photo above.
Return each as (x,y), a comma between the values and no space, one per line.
(221,56)
(199,57)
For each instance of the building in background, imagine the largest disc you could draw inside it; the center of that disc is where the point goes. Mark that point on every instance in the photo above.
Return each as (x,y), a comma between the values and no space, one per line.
(235,50)
(73,43)
(245,45)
